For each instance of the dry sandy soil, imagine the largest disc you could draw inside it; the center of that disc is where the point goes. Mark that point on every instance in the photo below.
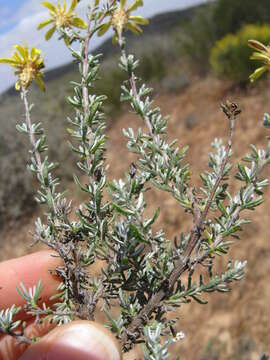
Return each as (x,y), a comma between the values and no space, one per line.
(238,321)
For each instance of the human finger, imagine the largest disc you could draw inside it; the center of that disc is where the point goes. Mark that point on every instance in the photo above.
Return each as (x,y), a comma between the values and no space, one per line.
(28,269)
(79,340)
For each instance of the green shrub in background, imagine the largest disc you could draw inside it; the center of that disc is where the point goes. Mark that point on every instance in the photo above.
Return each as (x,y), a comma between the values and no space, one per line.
(229,58)
(213,21)
(230,16)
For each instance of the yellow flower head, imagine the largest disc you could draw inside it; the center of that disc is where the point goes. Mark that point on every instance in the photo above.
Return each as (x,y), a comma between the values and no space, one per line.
(262,53)
(61,18)
(28,66)
(121,20)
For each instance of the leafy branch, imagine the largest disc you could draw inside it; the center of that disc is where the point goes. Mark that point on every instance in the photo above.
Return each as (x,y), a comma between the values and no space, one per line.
(143,273)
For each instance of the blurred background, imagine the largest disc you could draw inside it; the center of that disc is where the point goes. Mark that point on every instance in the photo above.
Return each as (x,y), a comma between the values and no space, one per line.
(195,55)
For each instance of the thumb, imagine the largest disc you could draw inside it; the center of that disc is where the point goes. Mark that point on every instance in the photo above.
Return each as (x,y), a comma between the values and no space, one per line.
(79,340)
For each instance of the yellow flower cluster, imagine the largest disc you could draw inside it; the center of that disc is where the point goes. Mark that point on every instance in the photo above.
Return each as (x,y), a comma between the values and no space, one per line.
(121,19)
(28,66)
(61,18)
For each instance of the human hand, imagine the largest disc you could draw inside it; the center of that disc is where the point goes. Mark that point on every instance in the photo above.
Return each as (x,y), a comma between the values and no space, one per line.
(78,340)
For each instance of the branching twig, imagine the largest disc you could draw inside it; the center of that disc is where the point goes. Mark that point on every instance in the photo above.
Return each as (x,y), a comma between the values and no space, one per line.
(133,86)
(184,262)
(33,143)
(200,219)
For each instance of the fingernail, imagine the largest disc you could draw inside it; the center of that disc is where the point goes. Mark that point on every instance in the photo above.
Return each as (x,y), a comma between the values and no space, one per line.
(91,339)
(76,341)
